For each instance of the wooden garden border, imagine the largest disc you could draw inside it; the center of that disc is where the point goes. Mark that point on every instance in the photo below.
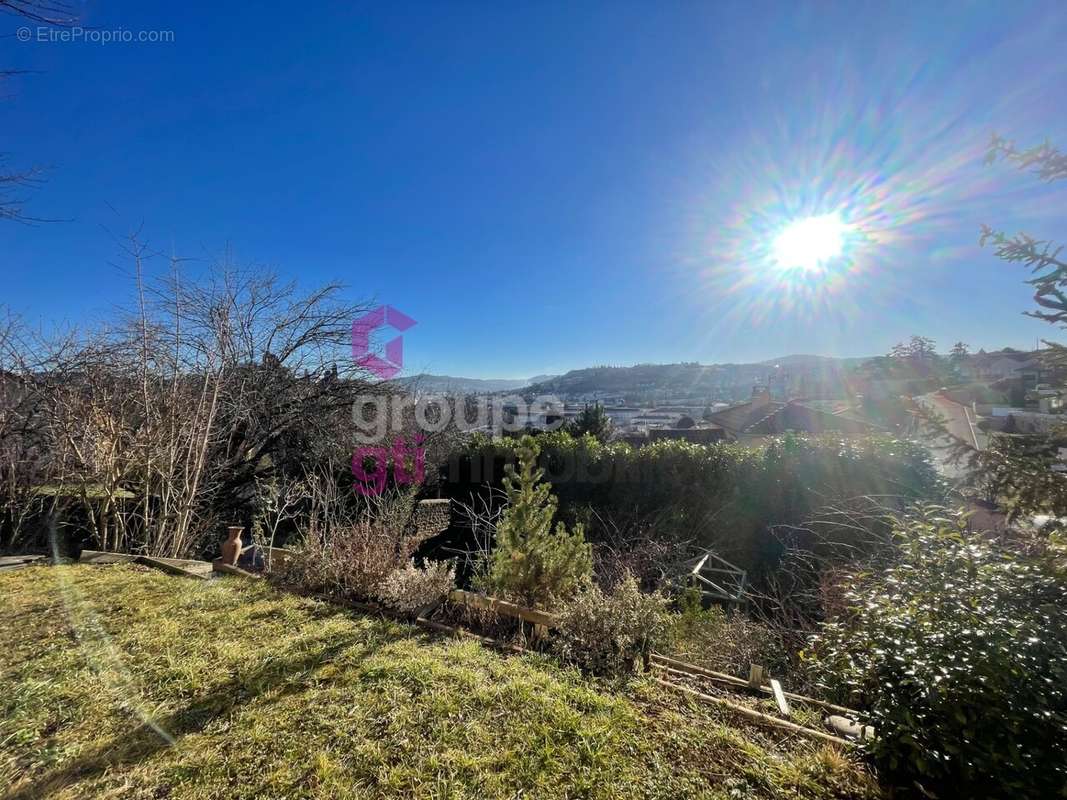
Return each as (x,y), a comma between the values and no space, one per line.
(220,566)
(541,620)
(674,665)
(168,566)
(758,716)
(185,567)
(423,619)
(531,615)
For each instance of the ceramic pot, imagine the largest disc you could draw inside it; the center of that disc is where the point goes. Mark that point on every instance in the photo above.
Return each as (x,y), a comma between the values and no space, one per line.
(231,548)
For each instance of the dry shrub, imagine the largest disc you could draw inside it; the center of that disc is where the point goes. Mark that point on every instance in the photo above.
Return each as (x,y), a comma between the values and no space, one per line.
(349,562)
(409,588)
(728,642)
(651,561)
(368,558)
(625,541)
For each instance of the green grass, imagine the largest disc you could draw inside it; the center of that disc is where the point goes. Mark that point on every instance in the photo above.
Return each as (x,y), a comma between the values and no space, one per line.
(124,682)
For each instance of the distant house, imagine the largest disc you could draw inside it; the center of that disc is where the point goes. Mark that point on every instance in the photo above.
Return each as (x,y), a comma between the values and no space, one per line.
(762,417)
(1049,400)
(703,434)
(656,418)
(533,417)
(998,365)
(622,416)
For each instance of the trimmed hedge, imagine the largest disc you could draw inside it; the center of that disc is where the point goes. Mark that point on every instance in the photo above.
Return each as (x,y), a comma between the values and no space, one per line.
(724,496)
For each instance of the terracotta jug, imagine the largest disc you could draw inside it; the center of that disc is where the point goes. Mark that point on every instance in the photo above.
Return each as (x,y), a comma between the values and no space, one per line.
(231,548)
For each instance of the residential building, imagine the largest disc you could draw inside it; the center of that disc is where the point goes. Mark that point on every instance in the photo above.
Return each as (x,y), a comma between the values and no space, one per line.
(762,417)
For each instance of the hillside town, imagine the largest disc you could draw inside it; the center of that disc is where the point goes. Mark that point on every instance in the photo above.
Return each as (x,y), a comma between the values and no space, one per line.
(1000,393)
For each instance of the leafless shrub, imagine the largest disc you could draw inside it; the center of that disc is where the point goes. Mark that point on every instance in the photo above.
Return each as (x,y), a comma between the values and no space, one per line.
(351,562)
(280,500)
(481,516)
(792,597)
(626,544)
(353,556)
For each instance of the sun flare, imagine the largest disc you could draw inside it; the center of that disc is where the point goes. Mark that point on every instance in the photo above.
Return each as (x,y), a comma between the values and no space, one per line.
(809,243)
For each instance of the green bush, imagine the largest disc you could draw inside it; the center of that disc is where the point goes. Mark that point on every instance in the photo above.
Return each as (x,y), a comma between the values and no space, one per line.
(530,562)
(959,652)
(607,632)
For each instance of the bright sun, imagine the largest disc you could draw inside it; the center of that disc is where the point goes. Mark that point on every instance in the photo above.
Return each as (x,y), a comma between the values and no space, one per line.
(809,243)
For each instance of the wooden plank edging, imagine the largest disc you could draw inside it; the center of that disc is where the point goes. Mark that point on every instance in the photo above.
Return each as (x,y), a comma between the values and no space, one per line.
(218,565)
(173,569)
(440,627)
(186,565)
(104,557)
(503,607)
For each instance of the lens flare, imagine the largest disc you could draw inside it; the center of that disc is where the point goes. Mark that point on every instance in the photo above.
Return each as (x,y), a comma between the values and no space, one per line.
(807,244)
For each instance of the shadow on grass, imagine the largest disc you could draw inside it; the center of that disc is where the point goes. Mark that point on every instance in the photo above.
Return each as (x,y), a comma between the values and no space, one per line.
(144,741)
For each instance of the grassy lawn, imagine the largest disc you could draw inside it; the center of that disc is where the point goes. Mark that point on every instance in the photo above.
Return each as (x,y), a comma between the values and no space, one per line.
(120,681)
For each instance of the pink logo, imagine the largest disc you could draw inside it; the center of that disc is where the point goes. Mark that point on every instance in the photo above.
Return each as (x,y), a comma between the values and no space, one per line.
(390,366)
(409,466)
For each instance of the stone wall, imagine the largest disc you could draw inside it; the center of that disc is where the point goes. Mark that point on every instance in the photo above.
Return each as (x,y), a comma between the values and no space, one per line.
(432,517)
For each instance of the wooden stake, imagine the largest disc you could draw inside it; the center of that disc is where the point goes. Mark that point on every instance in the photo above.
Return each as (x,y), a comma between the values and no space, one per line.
(755,676)
(779,697)
(758,716)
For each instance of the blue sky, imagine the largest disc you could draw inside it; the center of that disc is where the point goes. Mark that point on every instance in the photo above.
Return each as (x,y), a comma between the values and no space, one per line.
(546,186)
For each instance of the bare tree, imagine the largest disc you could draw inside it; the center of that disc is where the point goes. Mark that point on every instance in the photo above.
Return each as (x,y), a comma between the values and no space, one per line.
(280,500)
(11,199)
(13,183)
(21,465)
(163,425)
(46,12)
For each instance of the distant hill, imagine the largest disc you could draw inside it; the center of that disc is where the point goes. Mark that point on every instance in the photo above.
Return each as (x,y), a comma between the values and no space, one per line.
(695,380)
(636,379)
(541,379)
(800,360)
(649,380)
(449,383)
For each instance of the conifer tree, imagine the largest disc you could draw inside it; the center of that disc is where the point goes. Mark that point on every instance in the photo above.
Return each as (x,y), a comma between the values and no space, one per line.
(1017,471)
(593,420)
(531,562)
